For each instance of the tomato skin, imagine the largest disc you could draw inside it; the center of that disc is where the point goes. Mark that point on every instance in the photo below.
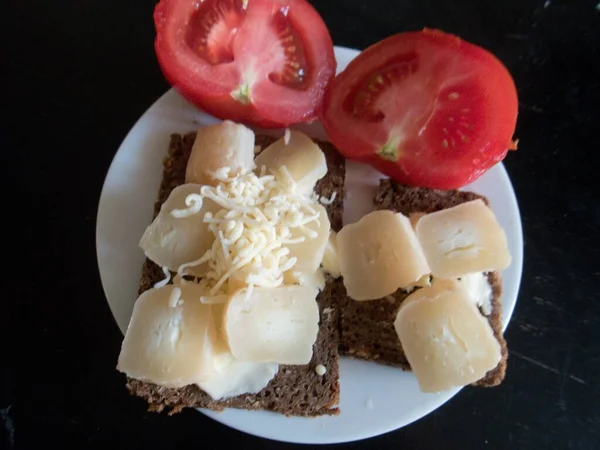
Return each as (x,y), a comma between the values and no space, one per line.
(441,112)
(225,108)
(210,85)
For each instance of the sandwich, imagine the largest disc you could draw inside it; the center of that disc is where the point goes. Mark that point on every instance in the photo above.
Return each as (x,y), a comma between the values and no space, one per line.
(384,314)
(296,390)
(367,328)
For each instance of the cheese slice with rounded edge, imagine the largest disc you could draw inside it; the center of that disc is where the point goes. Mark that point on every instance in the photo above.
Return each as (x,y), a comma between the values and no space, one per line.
(378,255)
(172,241)
(314,280)
(309,253)
(331,258)
(231,376)
(424,281)
(171,339)
(226,144)
(303,158)
(239,377)
(237,281)
(446,340)
(273,324)
(463,239)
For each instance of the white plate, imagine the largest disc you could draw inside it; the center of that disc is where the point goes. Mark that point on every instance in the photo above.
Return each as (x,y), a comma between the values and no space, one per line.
(374,399)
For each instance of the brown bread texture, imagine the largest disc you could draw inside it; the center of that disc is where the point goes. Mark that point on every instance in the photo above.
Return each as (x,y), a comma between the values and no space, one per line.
(295,390)
(367,327)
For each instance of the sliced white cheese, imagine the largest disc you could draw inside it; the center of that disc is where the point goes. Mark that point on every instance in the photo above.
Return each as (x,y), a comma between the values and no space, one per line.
(302,157)
(171,241)
(273,324)
(237,281)
(310,251)
(464,239)
(425,280)
(313,280)
(445,338)
(171,339)
(226,144)
(414,218)
(234,377)
(239,377)
(378,255)
(331,257)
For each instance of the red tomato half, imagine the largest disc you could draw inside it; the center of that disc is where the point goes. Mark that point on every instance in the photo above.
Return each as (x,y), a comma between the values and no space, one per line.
(426,108)
(263,62)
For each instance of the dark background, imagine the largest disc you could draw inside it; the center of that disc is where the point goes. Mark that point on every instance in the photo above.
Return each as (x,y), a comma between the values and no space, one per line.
(77,75)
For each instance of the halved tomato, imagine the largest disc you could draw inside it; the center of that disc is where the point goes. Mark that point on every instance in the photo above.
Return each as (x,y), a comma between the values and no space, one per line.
(263,62)
(426,108)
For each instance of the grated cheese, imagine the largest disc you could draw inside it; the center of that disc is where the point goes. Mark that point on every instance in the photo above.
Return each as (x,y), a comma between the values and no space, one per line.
(175,297)
(260,216)
(179,279)
(165,281)
(194,205)
(320,369)
(328,201)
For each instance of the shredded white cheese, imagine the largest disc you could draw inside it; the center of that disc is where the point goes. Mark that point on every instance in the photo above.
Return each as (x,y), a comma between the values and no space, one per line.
(179,279)
(194,205)
(201,260)
(320,369)
(174,297)
(165,281)
(259,217)
(328,201)
(287,136)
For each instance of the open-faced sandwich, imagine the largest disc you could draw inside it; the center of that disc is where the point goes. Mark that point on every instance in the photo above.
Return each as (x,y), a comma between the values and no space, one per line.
(263,331)
(253,287)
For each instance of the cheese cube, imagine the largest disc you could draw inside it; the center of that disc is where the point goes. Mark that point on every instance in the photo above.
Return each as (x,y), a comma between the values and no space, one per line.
(378,255)
(462,240)
(445,338)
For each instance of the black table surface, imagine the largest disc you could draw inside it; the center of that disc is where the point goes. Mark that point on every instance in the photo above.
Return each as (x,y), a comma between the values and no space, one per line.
(76,77)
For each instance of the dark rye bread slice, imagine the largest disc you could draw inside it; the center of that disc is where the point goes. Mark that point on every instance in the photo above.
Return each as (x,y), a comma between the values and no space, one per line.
(295,390)
(368,327)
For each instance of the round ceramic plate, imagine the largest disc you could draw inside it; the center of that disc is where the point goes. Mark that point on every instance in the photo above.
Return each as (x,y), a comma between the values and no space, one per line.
(374,399)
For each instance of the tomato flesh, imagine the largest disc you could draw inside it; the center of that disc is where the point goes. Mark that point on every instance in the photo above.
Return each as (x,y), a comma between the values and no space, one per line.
(425,108)
(295,68)
(263,62)
(212,29)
